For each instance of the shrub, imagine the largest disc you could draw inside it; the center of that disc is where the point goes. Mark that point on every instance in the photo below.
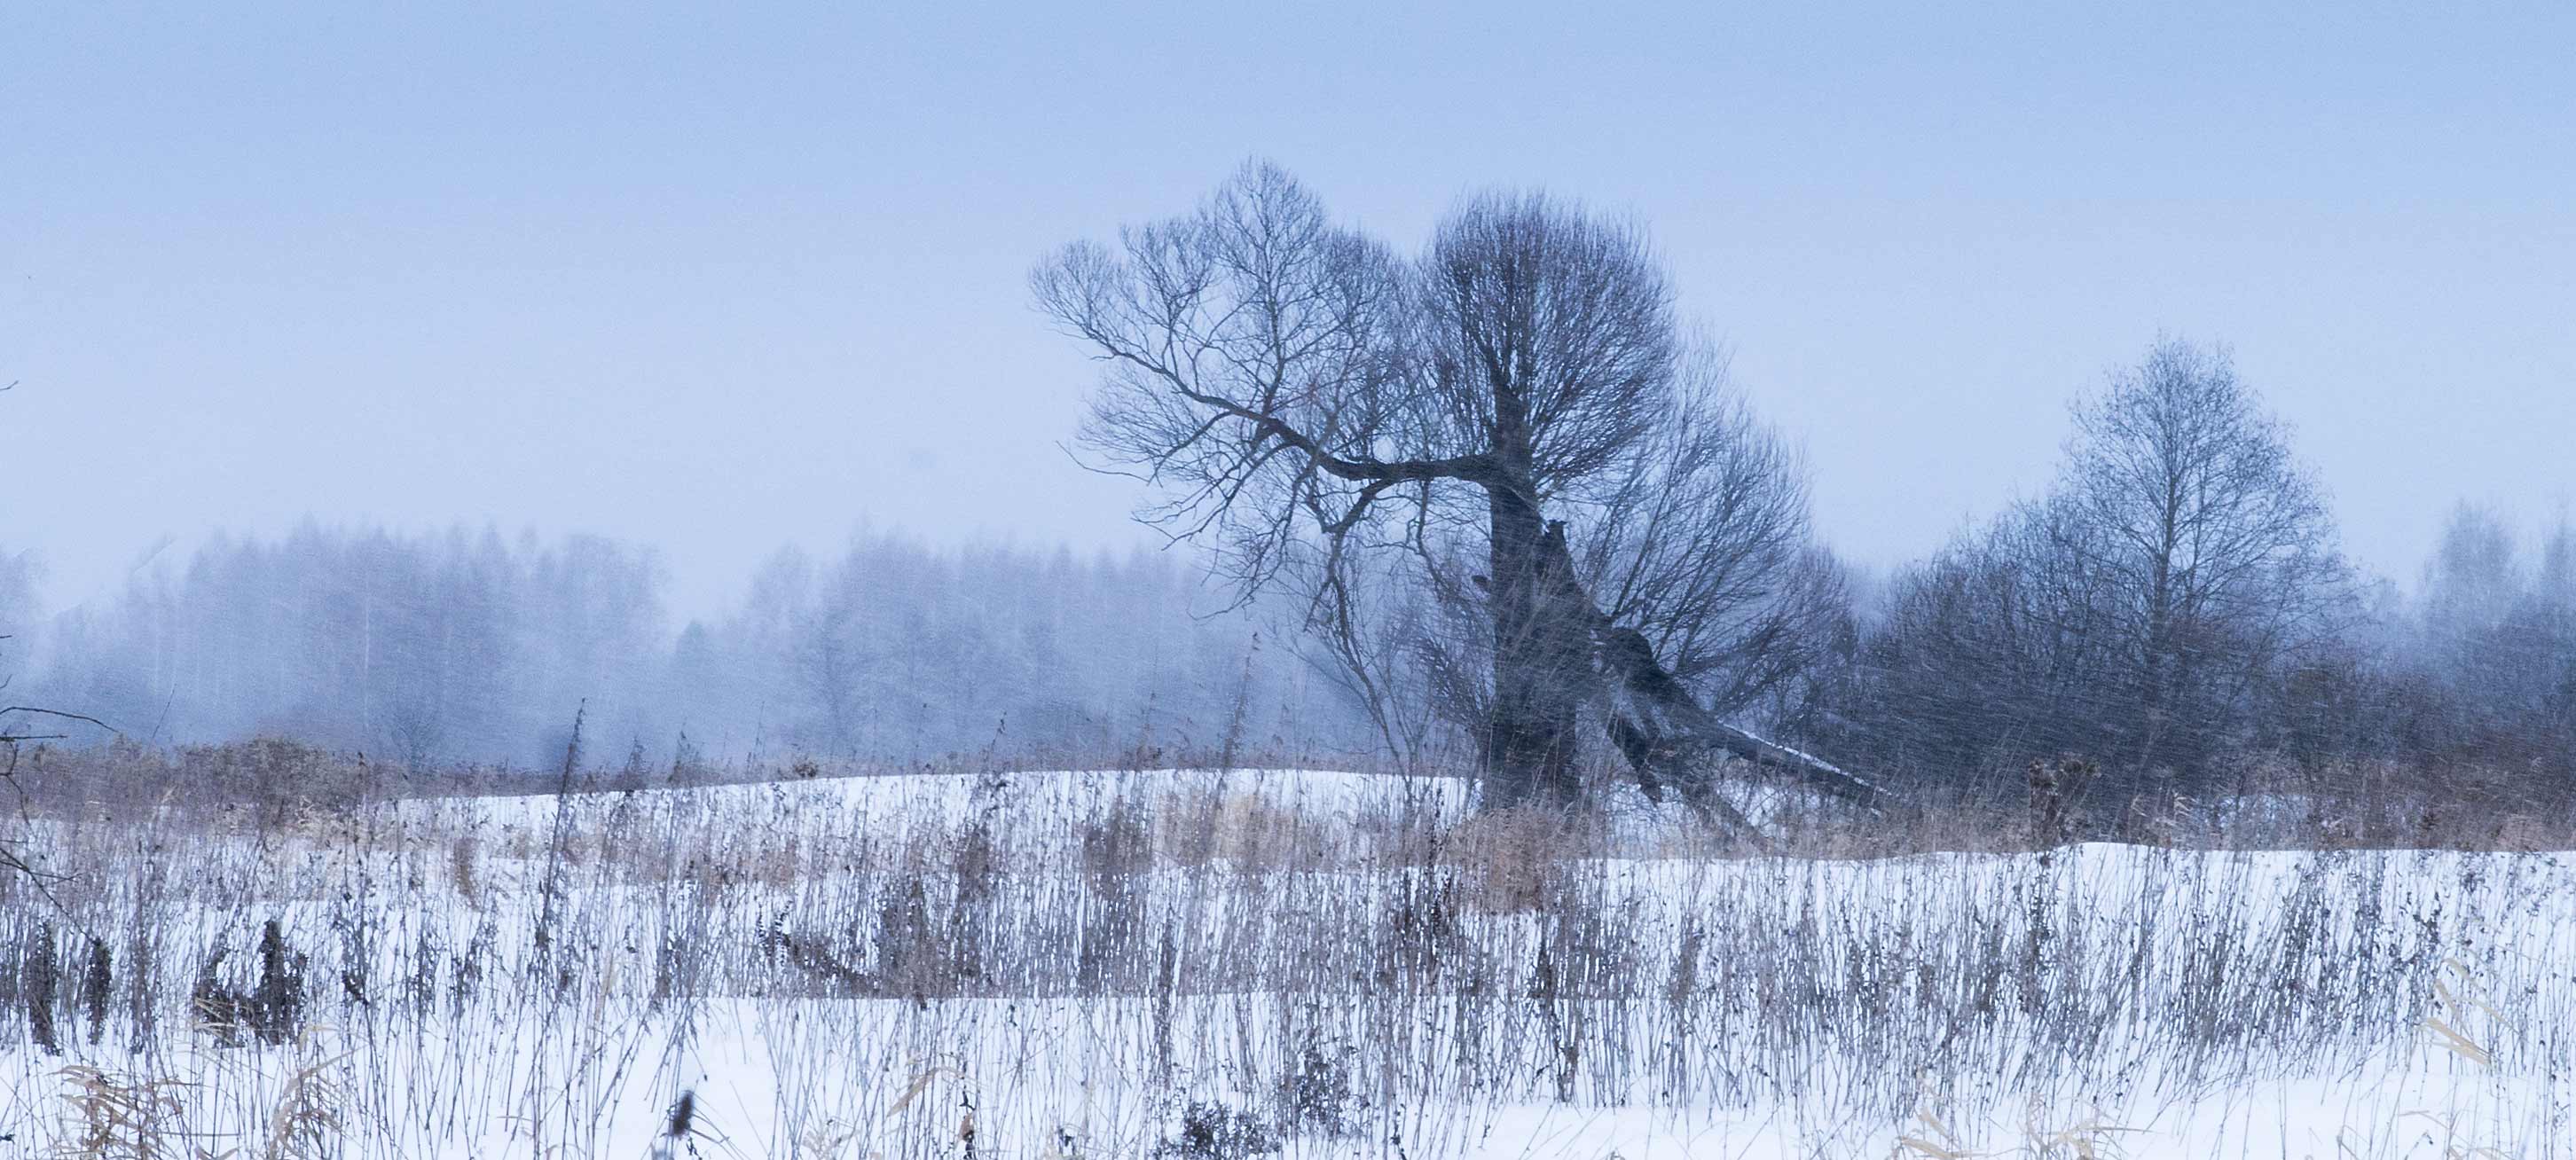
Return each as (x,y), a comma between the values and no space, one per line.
(1212,1131)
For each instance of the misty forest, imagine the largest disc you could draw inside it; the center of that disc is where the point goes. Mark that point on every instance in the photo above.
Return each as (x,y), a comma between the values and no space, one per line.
(1494,511)
(1483,748)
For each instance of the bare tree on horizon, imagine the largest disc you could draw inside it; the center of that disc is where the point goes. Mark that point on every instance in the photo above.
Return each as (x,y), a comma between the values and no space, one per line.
(1519,394)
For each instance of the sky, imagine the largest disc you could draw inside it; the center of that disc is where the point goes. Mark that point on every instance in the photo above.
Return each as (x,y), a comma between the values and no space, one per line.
(718,279)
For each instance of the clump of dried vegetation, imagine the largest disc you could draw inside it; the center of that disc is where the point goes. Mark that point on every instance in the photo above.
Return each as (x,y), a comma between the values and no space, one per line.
(1138,963)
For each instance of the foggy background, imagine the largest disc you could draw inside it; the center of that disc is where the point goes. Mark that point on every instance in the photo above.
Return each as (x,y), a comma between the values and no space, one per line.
(703,287)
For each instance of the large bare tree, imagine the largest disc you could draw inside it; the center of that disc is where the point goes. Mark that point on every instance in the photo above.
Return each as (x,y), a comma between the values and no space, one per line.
(1308,401)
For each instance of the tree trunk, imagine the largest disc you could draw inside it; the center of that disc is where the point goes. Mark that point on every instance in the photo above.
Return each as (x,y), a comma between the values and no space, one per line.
(1553,648)
(1541,656)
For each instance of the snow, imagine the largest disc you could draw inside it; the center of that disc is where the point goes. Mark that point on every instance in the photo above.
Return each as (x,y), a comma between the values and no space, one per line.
(2457,1044)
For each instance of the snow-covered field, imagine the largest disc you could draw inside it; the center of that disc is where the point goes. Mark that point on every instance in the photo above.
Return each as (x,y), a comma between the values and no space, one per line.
(1206,965)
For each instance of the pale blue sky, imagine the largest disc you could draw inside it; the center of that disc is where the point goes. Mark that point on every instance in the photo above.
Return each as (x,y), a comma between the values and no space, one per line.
(718,282)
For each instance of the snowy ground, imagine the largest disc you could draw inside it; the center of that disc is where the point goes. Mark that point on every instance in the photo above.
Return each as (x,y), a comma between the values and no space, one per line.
(1321,964)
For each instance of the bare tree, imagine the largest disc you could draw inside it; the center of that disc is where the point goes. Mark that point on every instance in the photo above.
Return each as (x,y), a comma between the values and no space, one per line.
(2555,584)
(2501,642)
(2002,646)
(1307,400)
(2141,611)
(2216,545)
(2471,582)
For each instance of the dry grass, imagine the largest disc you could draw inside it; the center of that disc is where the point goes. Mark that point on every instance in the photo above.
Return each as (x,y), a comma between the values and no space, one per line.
(1393,975)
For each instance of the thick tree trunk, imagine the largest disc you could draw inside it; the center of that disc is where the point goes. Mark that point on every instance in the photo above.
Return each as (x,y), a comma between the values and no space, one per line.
(1541,662)
(1554,648)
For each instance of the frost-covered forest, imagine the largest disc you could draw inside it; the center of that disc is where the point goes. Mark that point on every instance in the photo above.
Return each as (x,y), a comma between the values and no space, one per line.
(2244,655)
(473,647)
(467,646)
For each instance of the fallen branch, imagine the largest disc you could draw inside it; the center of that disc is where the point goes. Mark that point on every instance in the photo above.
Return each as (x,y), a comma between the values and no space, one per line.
(1662,727)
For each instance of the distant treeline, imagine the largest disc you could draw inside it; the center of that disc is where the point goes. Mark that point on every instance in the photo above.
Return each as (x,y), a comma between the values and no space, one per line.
(473,647)
(1949,675)
(2010,647)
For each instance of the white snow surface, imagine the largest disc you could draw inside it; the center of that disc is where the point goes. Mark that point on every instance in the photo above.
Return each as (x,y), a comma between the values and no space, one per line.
(455,1053)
